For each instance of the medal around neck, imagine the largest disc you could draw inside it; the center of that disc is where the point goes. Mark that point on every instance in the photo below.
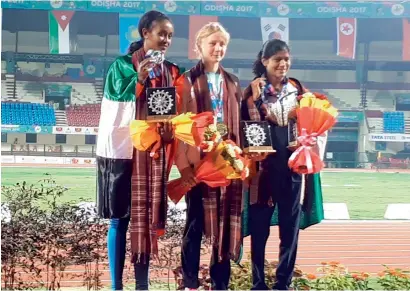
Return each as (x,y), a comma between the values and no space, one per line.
(256,137)
(161,104)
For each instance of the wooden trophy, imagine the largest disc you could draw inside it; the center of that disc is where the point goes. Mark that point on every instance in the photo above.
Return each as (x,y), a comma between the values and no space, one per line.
(256,137)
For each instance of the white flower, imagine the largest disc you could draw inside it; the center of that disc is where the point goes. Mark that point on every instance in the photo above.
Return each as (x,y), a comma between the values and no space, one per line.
(212,127)
(238,165)
(237,150)
(210,146)
(230,150)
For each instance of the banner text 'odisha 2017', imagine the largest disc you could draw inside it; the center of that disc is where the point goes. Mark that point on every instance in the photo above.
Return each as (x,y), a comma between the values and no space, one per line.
(227,7)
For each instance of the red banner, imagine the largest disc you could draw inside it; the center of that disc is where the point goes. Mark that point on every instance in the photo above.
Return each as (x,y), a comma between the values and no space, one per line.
(346,37)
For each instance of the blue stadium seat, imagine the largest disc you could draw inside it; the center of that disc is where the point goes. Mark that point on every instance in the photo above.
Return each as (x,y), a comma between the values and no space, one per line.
(27,114)
(393,122)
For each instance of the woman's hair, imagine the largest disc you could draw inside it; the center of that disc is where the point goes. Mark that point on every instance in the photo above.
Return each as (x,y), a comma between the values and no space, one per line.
(269,48)
(146,22)
(207,30)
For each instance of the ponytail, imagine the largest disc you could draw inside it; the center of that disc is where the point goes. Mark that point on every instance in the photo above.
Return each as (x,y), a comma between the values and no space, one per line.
(258,68)
(136,45)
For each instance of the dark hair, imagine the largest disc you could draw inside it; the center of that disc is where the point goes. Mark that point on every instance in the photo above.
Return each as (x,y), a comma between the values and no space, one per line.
(146,22)
(269,48)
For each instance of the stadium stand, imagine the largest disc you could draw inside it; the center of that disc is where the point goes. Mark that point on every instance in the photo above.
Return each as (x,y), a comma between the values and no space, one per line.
(83,115)
(27,114)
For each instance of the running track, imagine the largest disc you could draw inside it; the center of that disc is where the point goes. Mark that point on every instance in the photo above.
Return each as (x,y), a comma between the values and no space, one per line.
(358,245)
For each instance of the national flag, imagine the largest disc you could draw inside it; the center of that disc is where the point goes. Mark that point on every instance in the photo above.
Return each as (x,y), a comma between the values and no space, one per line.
(346,37)
(275,28)
(59,31)
(406,39)
(196,22)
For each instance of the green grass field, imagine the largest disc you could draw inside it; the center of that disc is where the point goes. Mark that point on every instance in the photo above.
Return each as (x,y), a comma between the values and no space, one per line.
(366,194)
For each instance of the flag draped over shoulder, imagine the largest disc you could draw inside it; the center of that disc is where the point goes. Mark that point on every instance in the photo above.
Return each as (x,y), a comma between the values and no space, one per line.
(114,145)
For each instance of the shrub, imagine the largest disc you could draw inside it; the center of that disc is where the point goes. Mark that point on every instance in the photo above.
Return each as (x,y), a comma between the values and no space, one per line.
(43,236)
(394,279)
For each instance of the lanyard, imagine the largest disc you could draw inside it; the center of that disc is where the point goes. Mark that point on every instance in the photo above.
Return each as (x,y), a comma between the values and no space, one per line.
(216,99)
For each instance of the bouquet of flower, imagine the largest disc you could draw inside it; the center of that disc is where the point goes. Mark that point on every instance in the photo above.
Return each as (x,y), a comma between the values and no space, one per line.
(217,169)
(315,115)
(187,127)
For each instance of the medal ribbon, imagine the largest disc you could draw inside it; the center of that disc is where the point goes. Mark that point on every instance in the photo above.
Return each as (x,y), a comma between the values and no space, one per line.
(216,100)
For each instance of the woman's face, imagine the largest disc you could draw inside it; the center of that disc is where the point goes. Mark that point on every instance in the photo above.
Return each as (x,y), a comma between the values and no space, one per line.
(160,36)
(213,47)
(278,65)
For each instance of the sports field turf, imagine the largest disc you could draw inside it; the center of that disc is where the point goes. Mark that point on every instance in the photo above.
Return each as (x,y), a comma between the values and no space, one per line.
(366,194)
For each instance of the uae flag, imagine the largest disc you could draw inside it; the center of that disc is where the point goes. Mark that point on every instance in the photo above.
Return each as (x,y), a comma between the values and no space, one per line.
(59,31)
(196,22)
(346,37)
(275,28)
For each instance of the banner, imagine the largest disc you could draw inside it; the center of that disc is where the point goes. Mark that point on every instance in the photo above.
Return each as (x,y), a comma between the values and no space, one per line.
(275,28)
(346,37)
(350,116)
(230,8)
(174,7)
(117,6)
(196,22)
(47,160)
(128,31)
(406,39)
(390,137)
(347,135)
(6,128)
(75,130)
(289,9)
(59,31)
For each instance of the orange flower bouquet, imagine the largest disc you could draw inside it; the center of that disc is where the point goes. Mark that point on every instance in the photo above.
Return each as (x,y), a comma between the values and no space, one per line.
(187,127)
(315,115)
(216,169)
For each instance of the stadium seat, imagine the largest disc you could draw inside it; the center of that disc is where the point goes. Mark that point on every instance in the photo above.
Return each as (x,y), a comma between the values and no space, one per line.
(83,115)
(16,113)
(393,122)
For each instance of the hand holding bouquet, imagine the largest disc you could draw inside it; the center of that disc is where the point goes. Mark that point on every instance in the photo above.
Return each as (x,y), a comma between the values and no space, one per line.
(315,115)
(216,169)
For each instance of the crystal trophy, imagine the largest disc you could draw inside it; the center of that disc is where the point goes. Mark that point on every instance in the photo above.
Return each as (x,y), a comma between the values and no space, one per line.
(292,134)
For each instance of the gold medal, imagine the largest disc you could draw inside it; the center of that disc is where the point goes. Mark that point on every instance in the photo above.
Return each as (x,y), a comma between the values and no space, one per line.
(222,129)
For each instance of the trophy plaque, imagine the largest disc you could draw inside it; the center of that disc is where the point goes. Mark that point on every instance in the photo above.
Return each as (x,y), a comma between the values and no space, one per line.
(292,134)
(256,137)
(161,103)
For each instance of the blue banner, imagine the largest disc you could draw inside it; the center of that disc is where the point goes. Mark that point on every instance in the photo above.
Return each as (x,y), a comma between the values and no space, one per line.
(230,8)
(175,7)
(56,90)
(45,5)
(350,116)
(128,31)
(403,98)
(117,6)
(5,128)
(93,68)
(323,9)
(351,136)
